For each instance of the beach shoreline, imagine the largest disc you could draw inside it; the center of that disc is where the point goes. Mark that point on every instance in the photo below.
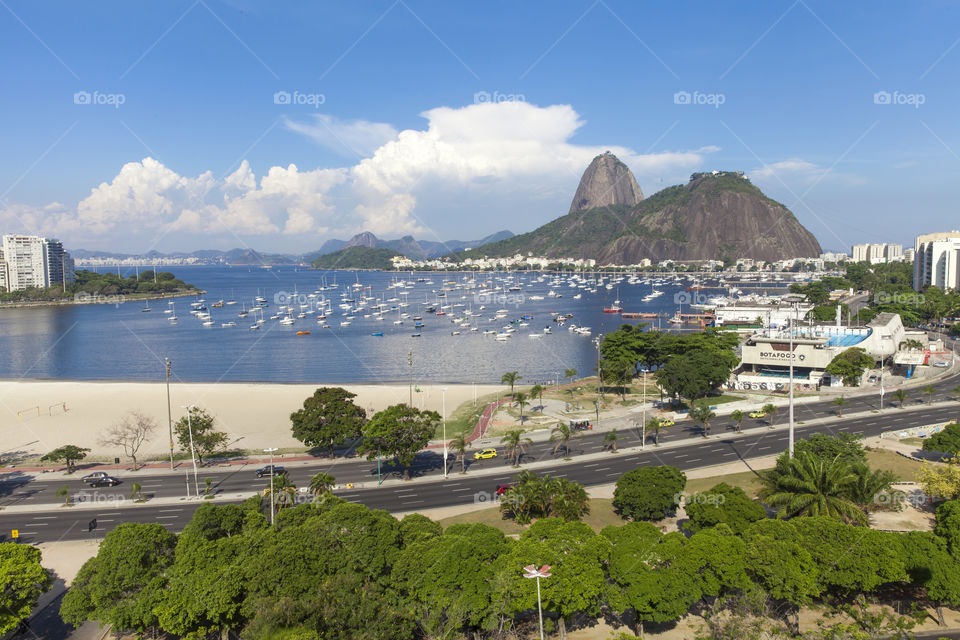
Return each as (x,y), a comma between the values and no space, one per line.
(37,416)
(100,299)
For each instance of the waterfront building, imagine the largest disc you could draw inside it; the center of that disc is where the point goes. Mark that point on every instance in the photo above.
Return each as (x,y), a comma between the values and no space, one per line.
(766,355)
(33,261)
(936,259)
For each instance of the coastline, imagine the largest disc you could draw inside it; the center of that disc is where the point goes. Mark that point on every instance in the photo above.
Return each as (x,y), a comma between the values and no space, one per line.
(254,415)
(100,299)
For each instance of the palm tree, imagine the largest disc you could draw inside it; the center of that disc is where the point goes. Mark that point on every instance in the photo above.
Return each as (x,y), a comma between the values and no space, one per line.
(64,492)
(511,378)
(840,402)
(460,444)
(871,486)
(536,391)
(322,483)
(514,441)
(737,417)
(283,492)
(703,415)
(520,399)
(771,411)
(560,436)
(929,391)
(610,440)
(570,374)
(136,491)
(807,485)
(901,396)
(568,499)
(654,424)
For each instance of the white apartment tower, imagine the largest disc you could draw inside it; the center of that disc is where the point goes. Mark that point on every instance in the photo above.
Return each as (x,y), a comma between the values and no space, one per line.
(936,260)
(32,261)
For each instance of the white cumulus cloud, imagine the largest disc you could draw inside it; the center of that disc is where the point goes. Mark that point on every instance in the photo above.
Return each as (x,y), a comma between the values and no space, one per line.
(478,160)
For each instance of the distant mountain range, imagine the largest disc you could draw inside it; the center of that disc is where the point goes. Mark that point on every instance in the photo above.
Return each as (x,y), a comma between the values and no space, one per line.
(407,246)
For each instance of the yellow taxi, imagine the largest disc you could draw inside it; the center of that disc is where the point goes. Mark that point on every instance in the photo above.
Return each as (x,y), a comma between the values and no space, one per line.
(485,454)
(666,422)
(758,414)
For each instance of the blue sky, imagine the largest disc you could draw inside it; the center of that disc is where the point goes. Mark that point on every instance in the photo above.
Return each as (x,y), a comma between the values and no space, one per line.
(454,120)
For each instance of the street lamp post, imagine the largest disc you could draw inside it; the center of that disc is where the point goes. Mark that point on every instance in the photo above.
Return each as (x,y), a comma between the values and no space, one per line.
(270,451)
(599,378)
(193,457)
(792,355)
(542,572)
(169,412)
(443,393)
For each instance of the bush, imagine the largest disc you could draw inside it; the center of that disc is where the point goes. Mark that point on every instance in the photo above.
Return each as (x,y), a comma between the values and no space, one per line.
(722,504)
(946,441)
(649,493)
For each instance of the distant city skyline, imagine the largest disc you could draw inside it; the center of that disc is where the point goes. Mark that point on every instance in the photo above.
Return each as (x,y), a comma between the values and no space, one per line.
(224,124)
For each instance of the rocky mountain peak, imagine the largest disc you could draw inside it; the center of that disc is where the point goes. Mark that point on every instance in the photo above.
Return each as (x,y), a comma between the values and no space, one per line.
(364,239)
(607,181)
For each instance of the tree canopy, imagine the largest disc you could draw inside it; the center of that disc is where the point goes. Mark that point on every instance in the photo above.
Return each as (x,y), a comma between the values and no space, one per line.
(328,418)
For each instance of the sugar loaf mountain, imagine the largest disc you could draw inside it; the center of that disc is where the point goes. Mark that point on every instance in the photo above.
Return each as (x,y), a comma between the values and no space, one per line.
(717,215)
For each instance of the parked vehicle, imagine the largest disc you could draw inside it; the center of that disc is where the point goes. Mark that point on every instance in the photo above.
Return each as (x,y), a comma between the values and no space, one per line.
(265,471)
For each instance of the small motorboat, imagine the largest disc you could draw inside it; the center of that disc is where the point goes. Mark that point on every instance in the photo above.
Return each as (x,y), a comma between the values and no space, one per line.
(303,333)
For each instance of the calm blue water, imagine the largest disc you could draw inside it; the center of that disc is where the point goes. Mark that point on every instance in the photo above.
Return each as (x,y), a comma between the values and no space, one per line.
(121,342)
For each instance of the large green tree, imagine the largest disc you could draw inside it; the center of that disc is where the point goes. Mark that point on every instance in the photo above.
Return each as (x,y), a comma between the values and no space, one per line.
(722,504)
(399,431)
(69,454)
(328,418)
(22,581)
(649,493)
(206,439)
(947,440)
(123,584)
(849,365)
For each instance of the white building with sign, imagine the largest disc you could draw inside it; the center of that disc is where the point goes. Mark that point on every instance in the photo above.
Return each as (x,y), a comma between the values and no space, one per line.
(766,356)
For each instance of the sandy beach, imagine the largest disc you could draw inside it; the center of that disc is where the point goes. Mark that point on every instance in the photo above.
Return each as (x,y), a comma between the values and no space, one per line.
(256,416)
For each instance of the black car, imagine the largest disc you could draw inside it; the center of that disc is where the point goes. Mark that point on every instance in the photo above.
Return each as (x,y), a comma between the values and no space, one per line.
(96,475)
(104,481)
(265,471)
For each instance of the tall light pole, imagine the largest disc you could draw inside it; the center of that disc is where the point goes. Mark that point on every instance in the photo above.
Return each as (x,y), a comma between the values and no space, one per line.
(599,377)
(531,571)
(272,497)
(792,355)
(443,409)
(169,412)
(193,457)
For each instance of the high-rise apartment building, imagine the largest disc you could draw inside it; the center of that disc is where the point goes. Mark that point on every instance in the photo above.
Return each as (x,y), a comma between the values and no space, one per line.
(32,261)
(936,260)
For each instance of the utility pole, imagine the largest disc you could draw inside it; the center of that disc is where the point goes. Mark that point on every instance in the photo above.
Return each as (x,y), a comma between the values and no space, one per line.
(443,410)
(169,411)
(410,365)
(643,430)
(272,497)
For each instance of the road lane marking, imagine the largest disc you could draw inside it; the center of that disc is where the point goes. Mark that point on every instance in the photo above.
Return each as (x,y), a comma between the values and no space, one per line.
(766,447)
(694,460)
(166,517)
(169,510)
(412,502)
(682,455)
(405,495)
(463,489)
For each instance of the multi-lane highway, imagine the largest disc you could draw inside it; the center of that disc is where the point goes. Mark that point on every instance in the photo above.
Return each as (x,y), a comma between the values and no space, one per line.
(430,491)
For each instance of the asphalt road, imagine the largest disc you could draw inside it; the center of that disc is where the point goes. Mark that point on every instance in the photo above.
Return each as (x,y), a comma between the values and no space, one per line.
(73,524)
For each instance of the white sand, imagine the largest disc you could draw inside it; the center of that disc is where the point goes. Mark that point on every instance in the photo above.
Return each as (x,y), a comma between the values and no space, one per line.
(254,415)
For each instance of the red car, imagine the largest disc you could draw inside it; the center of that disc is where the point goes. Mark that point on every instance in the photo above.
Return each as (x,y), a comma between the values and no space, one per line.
(502,489)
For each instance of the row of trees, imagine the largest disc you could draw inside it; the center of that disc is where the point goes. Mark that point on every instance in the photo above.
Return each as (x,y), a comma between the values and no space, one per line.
(333,569)
(102,284)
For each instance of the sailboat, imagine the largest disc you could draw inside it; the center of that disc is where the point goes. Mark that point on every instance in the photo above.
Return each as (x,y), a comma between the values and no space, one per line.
(146,308)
